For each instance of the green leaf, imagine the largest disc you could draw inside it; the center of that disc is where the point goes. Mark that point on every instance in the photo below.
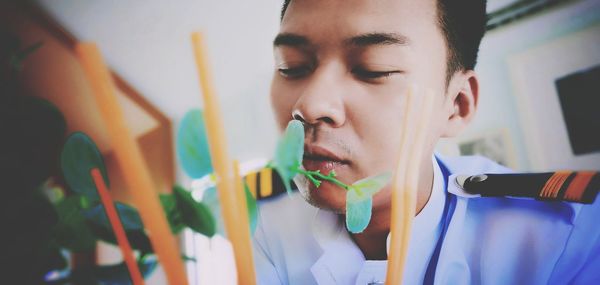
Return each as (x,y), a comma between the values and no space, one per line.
(359,200)
(358,214)
(195,215)
(137,238)
(289,152)
(192,145)
(211,199)
(129,216)
(72,232)
(367,187)
(79,156)
(252,208)
(173,213)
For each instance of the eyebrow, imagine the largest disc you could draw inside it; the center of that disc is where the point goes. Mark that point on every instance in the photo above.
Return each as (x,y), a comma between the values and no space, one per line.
(369,39)
(363,40)
(292,40)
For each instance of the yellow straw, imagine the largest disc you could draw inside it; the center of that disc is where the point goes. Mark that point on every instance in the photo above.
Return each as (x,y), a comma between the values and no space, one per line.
(130,159)
(232,213)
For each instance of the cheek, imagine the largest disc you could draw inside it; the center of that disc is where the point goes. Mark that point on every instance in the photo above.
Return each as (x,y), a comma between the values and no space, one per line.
(282,102)
(377,122)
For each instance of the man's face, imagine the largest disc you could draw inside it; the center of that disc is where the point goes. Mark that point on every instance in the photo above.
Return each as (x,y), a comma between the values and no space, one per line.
(344,67)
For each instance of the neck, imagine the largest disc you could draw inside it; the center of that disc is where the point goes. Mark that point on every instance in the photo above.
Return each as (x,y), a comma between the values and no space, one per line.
(373,240)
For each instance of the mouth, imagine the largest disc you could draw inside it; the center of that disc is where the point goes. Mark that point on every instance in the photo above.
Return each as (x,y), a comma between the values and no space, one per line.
(317,158)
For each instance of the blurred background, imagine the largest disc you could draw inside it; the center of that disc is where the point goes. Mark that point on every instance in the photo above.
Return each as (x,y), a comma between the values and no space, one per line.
(539,67)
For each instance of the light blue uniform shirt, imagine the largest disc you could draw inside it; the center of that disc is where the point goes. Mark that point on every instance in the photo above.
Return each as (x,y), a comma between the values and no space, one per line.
(491,240)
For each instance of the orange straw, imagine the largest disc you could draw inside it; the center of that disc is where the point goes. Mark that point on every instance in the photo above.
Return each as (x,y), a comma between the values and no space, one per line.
(115,223)
(244,224)
(395,267)
(232,213)
(130,158)
(405,183)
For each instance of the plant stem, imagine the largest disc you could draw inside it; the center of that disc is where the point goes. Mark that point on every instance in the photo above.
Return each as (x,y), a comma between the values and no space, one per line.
(311,176)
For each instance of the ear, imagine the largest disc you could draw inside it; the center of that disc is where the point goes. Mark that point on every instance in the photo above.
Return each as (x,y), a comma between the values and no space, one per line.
(461,102)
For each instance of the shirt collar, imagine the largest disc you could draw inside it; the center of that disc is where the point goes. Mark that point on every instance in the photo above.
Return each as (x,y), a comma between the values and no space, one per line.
(427,220)
(342,259)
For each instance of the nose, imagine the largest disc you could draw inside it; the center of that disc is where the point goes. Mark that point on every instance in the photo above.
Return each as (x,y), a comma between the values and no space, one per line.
(321,101)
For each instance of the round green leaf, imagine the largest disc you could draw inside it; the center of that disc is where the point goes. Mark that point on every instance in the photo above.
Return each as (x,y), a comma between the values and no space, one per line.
(195,215)
(129,216)
(358,214)
(79,156)
(192,145)
(137,238)
(289,152)
(211,199)
(367,187)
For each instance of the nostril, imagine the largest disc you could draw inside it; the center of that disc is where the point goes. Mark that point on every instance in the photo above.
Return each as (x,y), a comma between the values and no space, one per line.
(298,116)
(327,120)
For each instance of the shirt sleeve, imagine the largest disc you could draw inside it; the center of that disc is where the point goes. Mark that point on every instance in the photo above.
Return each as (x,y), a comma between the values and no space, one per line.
(580,260)
(590,272)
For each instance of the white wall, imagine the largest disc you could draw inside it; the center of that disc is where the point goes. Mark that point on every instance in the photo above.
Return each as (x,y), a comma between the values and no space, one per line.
(498,107)
(148,43)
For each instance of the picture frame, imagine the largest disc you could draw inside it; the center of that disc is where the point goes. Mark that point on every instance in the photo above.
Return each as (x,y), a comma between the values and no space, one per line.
(496,145)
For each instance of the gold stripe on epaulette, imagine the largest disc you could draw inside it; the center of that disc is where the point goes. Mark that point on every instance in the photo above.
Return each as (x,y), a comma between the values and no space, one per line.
(554,184)
(578,185)
(266,182)
(251,182)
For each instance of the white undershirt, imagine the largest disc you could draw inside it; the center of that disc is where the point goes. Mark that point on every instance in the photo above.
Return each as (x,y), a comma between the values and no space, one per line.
(426,230)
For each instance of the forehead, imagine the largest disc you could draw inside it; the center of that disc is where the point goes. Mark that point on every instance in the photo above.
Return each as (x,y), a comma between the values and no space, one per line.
(332,19)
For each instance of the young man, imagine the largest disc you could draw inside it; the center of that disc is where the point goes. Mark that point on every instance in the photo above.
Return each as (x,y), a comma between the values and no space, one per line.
(342,68)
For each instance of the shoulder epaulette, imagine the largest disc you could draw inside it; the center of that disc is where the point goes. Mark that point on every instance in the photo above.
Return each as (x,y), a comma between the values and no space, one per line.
(265,183)
(572,186)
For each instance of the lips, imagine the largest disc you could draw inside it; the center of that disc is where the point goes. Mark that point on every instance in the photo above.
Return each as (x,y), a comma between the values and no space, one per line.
(322,159)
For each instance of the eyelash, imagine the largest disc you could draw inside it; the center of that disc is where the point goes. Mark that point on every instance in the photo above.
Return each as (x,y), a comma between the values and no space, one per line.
(361,73)
(295,72)
(372,75)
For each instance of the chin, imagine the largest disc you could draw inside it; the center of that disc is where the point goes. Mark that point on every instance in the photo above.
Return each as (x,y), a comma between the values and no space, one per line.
(327,197)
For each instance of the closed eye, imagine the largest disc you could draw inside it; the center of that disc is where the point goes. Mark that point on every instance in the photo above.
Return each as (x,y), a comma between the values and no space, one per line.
(364,74)
(294,72)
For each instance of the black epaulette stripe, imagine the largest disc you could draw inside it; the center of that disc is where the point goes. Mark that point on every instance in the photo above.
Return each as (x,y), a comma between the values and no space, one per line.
(580,187)
(258,192)
(591,193)
(262,190)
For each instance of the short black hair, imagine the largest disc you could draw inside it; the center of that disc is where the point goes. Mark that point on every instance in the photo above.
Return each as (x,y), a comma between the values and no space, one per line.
(463,25)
